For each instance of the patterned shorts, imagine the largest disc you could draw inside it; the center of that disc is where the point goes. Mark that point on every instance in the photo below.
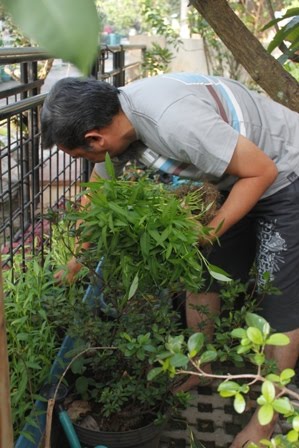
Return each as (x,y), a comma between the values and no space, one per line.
(268,236)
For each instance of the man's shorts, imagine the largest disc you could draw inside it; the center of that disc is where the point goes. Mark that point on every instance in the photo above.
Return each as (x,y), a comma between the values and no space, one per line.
(268,236)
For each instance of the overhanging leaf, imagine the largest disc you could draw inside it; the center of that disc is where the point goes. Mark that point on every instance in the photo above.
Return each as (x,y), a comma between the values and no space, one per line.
(67,29)
(218,273)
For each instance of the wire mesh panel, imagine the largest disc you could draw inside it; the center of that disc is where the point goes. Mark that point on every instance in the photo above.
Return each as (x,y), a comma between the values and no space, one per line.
(33,180)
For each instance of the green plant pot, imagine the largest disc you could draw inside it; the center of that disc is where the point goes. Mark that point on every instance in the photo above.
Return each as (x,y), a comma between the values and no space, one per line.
(146,437)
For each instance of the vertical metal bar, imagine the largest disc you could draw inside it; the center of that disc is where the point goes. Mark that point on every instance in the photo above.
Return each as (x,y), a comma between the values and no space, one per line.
(6,431)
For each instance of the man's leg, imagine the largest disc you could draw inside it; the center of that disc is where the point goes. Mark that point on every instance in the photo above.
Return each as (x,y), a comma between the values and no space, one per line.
(196,318)
(285,357)
(277,254)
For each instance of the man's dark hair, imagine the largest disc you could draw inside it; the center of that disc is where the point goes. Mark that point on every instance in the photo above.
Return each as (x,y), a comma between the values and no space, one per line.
(75,106)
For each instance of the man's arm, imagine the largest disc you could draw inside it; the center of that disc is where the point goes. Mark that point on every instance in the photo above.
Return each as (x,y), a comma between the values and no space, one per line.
(255,172)
(73,266)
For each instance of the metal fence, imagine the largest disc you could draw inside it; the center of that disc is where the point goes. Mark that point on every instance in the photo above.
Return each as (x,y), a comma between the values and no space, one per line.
(31,180)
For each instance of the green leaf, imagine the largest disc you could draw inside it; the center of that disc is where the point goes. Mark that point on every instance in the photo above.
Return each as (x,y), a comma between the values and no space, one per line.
(268,391)
(239,403)
(133,287)
(238,333)
(278,339)
(228,388)
(295,423)
(258,359)
(67,29)
(254,320)
(292,436)
(195,343)
(255,335)
(153,373)
(286,375)
(218,273)
(179,360)
(109,166)
(208,356)
(265,414)
(283,405)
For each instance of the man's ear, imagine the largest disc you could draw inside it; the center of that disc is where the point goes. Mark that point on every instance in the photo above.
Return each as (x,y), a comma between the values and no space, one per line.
(94,138)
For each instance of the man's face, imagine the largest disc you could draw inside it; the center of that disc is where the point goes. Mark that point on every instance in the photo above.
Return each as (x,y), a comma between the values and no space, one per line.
(97,150)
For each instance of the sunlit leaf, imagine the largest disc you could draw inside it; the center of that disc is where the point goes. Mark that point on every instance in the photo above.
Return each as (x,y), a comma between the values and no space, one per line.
(67,29)
(295,423)
(265,414)
(239,403)
(255,335)
(282,405)
(254,320)
(278,339)
(292,436)
(268,391)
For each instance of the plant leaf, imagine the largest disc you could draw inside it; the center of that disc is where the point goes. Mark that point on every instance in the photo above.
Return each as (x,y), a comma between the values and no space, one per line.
(268,391)
(254,320)
(278,339)
(195,343)
(133,287)
(239,403)
(67,29)
(265,414)
(218,273)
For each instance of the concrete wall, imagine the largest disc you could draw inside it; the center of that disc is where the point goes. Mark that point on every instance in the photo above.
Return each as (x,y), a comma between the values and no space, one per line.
(189,57)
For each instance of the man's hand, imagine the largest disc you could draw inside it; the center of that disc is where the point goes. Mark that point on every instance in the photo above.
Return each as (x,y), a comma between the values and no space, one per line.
(69,274)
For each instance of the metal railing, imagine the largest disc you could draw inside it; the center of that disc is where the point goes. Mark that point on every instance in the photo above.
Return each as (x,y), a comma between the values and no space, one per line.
(32,180)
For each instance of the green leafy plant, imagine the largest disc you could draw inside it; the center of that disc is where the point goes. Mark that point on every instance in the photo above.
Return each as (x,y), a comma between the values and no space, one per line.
(147,240)
(36,311)
(275,396)
(157,59)
(288,33)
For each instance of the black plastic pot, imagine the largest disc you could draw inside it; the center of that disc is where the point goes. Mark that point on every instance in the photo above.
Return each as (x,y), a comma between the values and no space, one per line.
(146,437)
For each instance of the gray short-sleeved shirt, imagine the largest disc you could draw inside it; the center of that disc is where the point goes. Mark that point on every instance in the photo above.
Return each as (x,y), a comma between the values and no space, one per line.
(188,125)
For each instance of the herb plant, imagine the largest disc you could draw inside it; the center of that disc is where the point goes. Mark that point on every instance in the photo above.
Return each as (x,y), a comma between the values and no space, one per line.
(37,311)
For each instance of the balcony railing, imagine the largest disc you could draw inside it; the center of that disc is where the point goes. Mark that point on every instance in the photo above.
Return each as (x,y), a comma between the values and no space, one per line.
(32,180)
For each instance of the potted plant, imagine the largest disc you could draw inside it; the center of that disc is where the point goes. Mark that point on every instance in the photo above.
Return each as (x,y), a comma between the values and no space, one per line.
(146,238)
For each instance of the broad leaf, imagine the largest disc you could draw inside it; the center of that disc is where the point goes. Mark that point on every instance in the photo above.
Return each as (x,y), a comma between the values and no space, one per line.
(195,343)
(179,360)
(268,391)
(278,339)
(255,335)
(67,29)
(239,403)
(265,414)
(283,405)
(254,320)
(208,356)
